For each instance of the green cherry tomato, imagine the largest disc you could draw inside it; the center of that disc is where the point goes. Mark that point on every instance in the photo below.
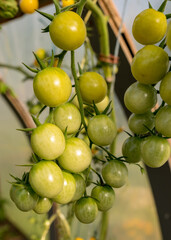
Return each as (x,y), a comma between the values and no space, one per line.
(103,104)
(149,26)
(68,191)
(52,86)
(67,30)
(43,206)
(140,98)
(67,116)
(101,130)
(105,196)
(48,141)
(46,179)
(80,187)
(86,210)
(168,35)
(115,173)
(140,123)
(93,87)
(165,88)
(76,156)
(150,64)
(163,121)
(24,197)
(155,151)
(131,149)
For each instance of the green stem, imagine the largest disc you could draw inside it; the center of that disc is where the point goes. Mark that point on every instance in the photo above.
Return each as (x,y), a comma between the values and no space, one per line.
(61,57)
(104,226)
(77,89)
(48,224)
(81,6)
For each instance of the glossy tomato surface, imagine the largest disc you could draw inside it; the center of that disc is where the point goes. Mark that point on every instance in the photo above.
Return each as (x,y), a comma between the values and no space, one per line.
(80,186)
(46,179)
(165,88)
(163,121)
(43,206)
(168,35)
(67,30)
(28,6)
(131,149)
(52,86)
(76,157)
(48,141)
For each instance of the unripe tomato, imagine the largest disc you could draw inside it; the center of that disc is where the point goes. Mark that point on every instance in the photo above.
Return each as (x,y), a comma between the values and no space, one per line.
(115,173)
(68,190)
(163,121)
(165,88)
(140,98)
(103,104)
(28,6)
(80,187)
(93,87)
(76,156)
(131,149)
(168,35)
(52,86)
(155,151)
(150,64)
(149,26)
(67,115)
(48,141)
(43,206)
(101,130)
(46,179)
(86,210)
(67,30)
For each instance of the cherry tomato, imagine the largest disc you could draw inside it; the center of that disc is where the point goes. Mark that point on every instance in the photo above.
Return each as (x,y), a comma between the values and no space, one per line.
(101,130)
(140,98)
(68,191)
(165,88)
(131,149)
(67,30)
(115,173)
(93,87)
(67,116)
(140,123)
(46,179)
(66,3)
(28,6)
(105,196)
(48,141)
(43,205)
(168,35)
(103,104)
(23,197)
(52,86)
(76,157)
(80,187)
(86,210)
(163,121)
(149,26)
(155,151)
(150,64)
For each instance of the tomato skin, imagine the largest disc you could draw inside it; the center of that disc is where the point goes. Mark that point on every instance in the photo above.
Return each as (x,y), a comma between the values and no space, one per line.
(101,130)
(168,35)
(103,104)
(105,196)
(23,197)
(66,3)
(131,149)
(48,141)
(67,30)
(68,190)
(28,6)
(155,151)
(52,86)
(165,88)
(93,87)
(149,26)
(150,64)
(140,98)
(46,179)
(80,187)
(138,122)
(86,210)
(115,173)
(76,156)
(163,121)
(43,206)
(67,115)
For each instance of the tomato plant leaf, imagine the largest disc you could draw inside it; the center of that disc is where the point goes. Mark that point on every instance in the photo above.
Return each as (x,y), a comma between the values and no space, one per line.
(57,7)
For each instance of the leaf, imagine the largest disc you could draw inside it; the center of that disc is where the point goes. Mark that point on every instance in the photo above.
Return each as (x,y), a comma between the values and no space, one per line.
(162,6)
(25,129)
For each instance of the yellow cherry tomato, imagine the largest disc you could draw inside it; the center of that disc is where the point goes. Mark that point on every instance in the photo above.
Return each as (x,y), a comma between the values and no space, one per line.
(66,3)
(28,6)
(78,238)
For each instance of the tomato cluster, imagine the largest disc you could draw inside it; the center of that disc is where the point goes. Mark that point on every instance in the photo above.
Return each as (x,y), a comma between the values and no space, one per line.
(150,66)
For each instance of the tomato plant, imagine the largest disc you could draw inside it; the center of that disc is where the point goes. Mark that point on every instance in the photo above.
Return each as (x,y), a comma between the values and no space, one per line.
(48,141)
(67,30)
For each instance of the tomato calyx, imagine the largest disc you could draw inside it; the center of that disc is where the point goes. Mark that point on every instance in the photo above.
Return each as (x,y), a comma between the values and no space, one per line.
(24,181)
